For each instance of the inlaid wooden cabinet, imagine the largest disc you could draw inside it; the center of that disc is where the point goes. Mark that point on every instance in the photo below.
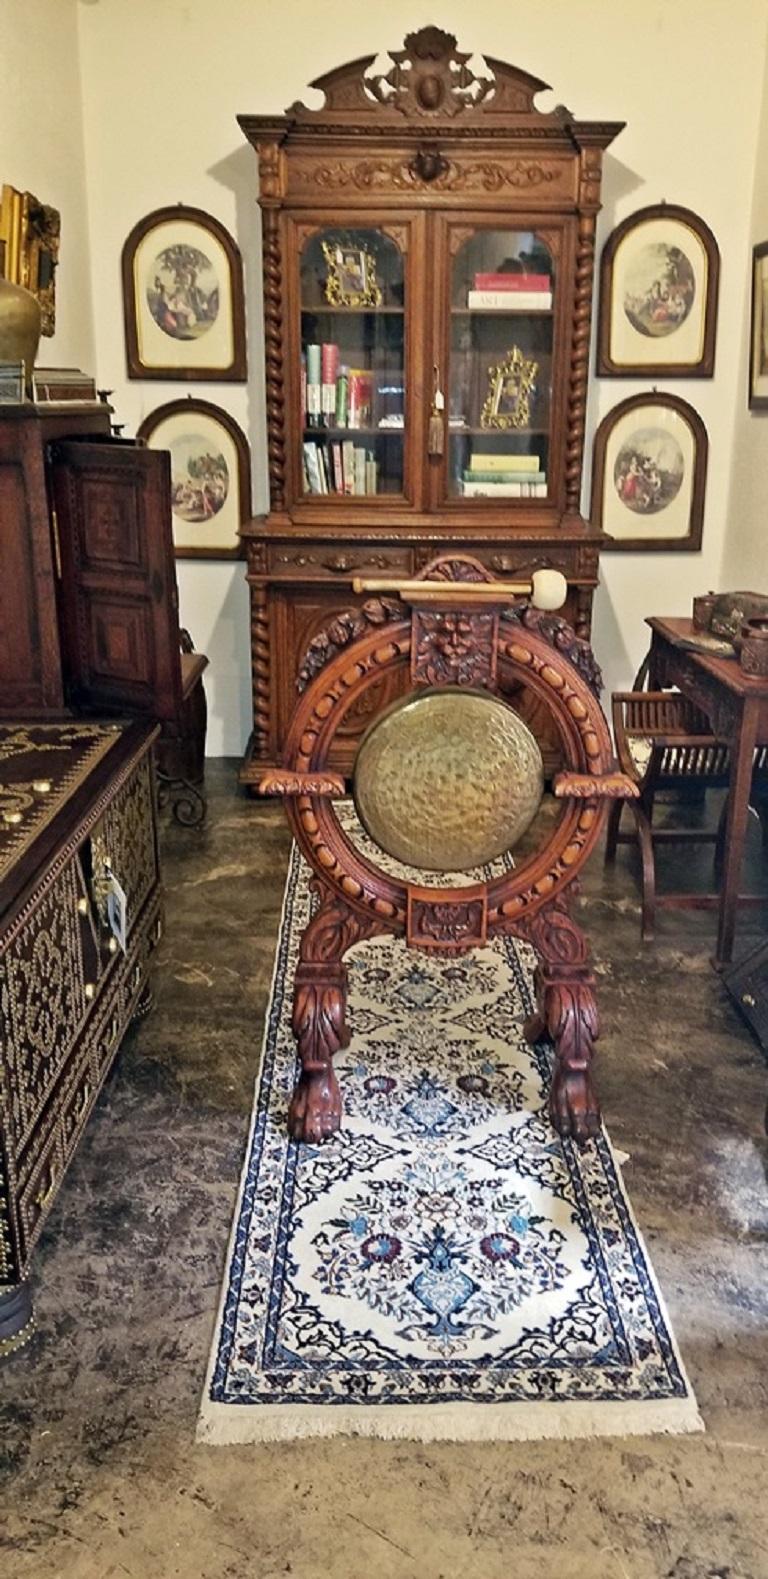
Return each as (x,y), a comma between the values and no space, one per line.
(428,244)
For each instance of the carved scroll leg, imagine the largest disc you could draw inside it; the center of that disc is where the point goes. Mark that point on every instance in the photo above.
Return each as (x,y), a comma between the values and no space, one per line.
(573,1025)
(319,1025)
(319,1015)
(566,1012)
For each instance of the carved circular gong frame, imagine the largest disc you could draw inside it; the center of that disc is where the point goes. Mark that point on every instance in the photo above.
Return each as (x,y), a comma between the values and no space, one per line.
(522,654)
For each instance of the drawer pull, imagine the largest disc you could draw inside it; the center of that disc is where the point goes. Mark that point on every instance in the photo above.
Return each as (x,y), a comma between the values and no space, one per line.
(747,998)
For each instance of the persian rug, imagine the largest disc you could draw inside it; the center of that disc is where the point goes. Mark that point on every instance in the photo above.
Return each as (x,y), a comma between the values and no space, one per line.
(446,1266)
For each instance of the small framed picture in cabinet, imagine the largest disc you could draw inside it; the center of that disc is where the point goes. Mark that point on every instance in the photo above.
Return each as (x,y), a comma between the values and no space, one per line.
(210,476)
(649,475)
(183,298)
(659,274)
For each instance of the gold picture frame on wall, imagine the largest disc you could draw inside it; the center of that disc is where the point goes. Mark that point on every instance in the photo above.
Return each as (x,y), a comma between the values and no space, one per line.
(511,384)
(30,235)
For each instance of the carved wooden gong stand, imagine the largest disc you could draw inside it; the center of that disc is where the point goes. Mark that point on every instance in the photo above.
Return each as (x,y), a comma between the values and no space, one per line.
(450,627)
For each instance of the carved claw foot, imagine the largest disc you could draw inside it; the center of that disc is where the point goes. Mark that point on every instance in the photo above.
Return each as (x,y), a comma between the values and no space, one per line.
(573,1107)
(315,1111)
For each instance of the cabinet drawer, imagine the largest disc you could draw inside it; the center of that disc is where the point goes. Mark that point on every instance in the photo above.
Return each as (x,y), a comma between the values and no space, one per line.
(511,563)
(333,561)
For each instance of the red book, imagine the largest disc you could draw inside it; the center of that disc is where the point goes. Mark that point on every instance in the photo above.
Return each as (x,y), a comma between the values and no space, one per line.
(329,362)
(512,282)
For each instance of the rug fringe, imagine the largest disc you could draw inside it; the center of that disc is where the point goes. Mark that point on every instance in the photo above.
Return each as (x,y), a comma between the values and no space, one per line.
(225,1425)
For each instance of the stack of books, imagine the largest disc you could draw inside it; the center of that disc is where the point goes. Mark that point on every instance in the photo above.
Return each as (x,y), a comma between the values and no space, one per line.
(510,293)
(333,395)
(496,476)
(339,467)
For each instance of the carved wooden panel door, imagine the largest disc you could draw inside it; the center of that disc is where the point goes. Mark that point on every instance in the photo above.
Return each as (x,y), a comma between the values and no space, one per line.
(119,604)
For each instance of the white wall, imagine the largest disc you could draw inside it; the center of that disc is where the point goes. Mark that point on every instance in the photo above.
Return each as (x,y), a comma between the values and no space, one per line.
(41,151)
(164,79)
(745,550)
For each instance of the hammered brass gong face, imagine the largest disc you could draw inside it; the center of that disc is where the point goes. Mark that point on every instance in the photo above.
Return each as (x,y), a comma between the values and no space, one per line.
(448,779)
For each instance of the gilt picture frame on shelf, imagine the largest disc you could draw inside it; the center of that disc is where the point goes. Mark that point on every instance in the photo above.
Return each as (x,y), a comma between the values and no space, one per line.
(183,305)
(351,277)
(511,387)
(758,339)
(659,278)
(649,474)
(210,476)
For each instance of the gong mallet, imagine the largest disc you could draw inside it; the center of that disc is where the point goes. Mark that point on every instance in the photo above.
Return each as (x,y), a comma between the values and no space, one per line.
(546,589)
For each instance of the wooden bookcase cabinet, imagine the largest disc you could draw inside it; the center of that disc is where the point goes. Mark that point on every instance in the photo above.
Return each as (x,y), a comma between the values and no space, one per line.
(438,175)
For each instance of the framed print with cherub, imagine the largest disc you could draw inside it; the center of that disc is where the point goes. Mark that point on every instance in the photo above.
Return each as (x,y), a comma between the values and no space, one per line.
(758,352)
(210,476)
(649,474)
(659,274)
(183,298)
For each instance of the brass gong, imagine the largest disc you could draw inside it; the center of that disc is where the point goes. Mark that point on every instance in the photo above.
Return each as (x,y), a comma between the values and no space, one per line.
(448,779)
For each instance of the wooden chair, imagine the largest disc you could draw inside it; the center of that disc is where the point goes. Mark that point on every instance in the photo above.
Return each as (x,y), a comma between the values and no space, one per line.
(664,742)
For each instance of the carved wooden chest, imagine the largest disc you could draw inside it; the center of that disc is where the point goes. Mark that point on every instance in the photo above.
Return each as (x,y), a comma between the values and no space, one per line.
(77,831)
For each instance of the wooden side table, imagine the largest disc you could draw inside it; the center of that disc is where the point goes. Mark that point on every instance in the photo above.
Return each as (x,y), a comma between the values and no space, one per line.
(737,708)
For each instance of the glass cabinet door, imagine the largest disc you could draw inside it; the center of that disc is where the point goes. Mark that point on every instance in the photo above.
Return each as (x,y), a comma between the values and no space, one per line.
(499,383)
(353,385)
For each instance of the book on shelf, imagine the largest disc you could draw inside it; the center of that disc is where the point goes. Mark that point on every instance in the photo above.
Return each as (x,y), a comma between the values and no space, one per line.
(329,369)
(314,386)
(508,301)
(534,475)
(512,282)
(504,490)
(342,392)
(348,466)
(341,467)
(500,460)
(360,397)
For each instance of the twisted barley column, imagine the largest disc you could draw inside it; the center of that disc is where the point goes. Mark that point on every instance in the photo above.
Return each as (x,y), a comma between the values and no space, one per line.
(577,397)
(260,671)
(273,344)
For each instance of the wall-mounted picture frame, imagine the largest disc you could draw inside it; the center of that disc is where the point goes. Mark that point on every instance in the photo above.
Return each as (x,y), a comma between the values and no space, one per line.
(210,476)
(758,338)
(659,278)
(183,298)
(30,235)
(649,474)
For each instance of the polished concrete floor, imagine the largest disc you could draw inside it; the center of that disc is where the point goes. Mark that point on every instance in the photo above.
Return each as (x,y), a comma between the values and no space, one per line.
(100,1476)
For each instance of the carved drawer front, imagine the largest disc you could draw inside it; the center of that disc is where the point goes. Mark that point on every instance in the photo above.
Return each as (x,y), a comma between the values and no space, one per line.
(124,840)
(44,1001)
(511,563)
(332,561)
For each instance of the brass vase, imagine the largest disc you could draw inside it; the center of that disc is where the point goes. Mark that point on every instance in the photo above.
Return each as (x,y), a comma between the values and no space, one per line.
(20,323)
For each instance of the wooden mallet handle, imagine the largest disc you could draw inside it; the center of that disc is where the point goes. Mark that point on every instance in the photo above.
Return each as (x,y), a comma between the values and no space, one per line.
(547,589)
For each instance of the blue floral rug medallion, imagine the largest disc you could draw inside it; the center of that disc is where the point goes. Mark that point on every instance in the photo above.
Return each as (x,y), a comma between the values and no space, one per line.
(445,1267)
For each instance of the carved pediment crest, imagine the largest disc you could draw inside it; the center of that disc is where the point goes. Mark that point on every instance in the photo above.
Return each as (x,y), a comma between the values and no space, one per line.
(430,78)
